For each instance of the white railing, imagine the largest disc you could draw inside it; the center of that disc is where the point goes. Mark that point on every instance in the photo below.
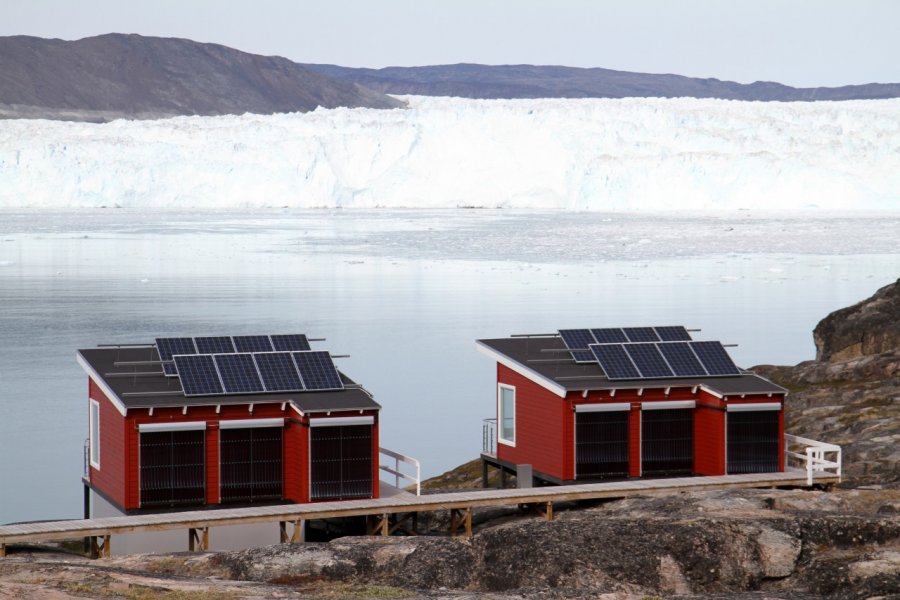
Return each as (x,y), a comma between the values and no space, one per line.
(397,473)
(811,455)
(87,458)
(489,436)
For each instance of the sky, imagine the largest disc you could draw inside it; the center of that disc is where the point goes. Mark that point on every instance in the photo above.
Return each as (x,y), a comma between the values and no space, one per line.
(797,42)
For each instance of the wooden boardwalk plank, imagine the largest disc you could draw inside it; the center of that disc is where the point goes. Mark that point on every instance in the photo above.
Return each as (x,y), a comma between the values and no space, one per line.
(198,519)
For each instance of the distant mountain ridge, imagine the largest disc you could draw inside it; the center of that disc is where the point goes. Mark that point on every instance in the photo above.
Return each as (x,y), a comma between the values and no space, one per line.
(132,76)
(529,81)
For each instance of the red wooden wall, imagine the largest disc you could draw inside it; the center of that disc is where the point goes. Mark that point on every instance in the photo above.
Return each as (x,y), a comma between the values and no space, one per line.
(119,475)
(545,425)
(543,421)
(110,477)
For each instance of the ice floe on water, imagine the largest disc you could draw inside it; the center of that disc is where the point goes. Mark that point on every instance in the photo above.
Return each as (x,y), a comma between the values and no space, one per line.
(589,154)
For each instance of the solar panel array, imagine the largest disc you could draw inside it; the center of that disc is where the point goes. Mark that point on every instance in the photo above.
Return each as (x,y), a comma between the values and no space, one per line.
(648,352)
(169,347)
(578,340)
(256,372)
(651,360)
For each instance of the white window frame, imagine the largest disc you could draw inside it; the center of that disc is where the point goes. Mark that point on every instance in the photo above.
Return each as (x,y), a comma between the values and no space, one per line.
(500,416)
(94,433)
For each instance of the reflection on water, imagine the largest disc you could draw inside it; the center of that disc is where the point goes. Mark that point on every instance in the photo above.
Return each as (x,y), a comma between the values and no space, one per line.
(409,324)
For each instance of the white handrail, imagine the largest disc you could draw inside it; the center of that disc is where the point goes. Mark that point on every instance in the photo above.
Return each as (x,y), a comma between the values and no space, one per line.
(397,473)
(813,455)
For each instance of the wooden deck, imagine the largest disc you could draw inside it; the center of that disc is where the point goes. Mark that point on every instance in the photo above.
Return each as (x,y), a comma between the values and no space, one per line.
(460,505)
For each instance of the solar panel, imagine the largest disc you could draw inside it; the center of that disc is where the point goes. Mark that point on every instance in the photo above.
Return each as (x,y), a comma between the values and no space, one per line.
(252,343)
(289,342)
(169,347)
(577,341)
(238,373)
(214,345)
(317,370)
(640,334)
(198,375)
(278,372)
(714,358)
(615,361)
(609,336)
(673,334)
(682,359)
(648,360)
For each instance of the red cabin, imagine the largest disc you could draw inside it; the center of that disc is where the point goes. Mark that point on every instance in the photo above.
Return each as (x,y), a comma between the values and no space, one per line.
(192,422)
(593,404)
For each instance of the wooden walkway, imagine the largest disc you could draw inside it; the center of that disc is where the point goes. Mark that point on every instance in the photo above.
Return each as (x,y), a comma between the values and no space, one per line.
(460,504)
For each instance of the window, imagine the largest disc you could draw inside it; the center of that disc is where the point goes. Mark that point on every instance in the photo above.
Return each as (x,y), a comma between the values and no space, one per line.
(341,461)
(250,464)
(95,434)
(507,414)
(172,464)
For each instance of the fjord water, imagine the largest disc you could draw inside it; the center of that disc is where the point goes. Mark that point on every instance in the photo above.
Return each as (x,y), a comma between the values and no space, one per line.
(404,293)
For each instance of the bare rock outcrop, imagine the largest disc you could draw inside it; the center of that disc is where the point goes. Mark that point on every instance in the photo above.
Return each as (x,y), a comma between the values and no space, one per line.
(701,544)
(850,395)
(867,328)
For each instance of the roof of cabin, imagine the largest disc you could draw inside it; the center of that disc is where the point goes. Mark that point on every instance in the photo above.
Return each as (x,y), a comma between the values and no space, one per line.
(547,358)
(155,389)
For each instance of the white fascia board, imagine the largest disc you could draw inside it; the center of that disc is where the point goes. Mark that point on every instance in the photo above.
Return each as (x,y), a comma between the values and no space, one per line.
(179,426)
(608,407)
(663,405)
(251,423)
(709,390)
(547,384)
(753,407)
(340,421)
(107,391)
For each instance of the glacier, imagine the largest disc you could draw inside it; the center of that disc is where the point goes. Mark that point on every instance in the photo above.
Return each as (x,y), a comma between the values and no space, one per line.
(592,154)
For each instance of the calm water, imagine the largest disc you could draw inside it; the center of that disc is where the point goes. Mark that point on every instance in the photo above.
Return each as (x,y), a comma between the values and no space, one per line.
(404,293)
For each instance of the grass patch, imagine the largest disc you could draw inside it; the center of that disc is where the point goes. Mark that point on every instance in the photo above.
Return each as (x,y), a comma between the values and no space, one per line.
(168,565)
(320,587)
(140,592)
(350,590)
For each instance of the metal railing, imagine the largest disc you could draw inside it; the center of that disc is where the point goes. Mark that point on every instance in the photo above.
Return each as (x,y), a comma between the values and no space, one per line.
(811,455)
(87,458)
(397,473)
(489,436)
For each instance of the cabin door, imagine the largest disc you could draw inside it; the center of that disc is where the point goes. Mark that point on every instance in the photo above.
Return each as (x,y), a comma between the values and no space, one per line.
(753,442)
(173,468)
(601,444)
(667,441)
(251,464)
(340,462)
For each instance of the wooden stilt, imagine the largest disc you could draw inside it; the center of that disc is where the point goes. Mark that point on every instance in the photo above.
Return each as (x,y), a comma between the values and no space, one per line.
(99,550)
(377,525)
(198,539)
(461,517)
(484,473)
(296,531)
(2,550)
(400,520)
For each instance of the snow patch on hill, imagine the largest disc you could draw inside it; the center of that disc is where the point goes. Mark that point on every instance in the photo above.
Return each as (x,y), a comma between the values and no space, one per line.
(596,154)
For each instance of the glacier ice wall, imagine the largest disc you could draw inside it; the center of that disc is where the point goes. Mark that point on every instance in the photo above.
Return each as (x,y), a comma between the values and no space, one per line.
(630,154)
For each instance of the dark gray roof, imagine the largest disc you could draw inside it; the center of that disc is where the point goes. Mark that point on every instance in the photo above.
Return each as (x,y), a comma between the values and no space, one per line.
(157,390)
(548,358)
